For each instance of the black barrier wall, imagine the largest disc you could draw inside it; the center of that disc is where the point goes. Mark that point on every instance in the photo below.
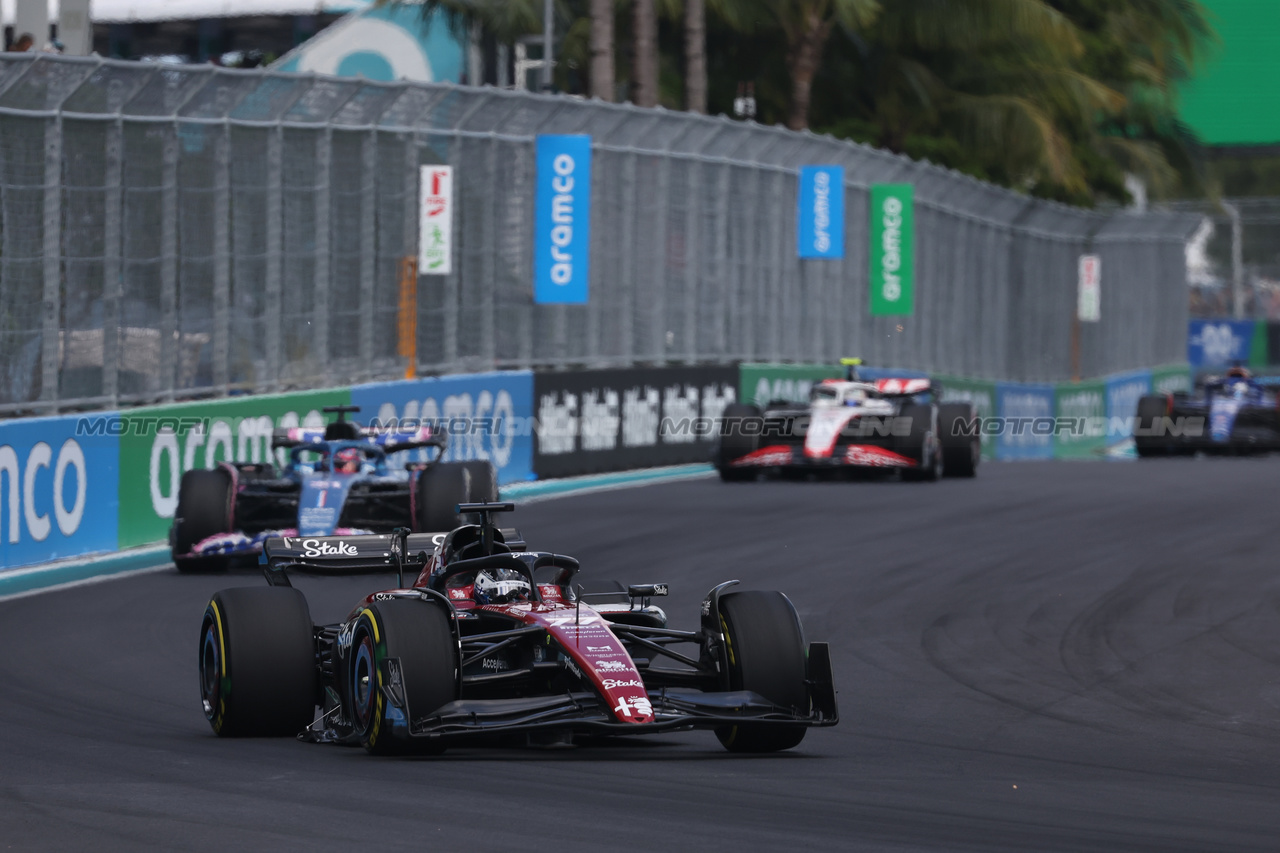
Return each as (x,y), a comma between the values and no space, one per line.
(611,420)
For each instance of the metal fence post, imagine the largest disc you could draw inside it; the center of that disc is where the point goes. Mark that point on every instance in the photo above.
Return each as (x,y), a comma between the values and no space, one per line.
(52,295)
(169,262)
(275,254)
(323,251)
(222,259)
(112,281)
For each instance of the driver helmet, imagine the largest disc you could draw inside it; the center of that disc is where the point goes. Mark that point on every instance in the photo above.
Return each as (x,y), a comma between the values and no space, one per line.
(348,460)
(500,586)
(1238,372)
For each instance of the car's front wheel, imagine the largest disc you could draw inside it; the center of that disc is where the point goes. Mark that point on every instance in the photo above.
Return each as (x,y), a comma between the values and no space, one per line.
(401,650)
(765,649)
(258,675)
(204,509)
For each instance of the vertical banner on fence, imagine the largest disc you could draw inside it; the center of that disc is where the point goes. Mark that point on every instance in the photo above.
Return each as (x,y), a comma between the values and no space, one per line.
(892,250)
(435,220)
(820,212)
(562,220)
(1089,294)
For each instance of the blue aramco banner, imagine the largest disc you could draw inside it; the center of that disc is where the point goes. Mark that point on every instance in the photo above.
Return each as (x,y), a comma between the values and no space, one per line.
(487,415)
(58,487)
(1218,343)
(1027,413)
(562,220)
(821,212)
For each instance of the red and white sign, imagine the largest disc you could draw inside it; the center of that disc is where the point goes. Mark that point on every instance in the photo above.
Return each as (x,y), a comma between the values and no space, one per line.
(1089,308)
(435,221)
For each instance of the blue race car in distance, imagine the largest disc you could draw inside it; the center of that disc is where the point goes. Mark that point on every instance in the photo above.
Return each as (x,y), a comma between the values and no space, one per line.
(337,482)
(1232,413)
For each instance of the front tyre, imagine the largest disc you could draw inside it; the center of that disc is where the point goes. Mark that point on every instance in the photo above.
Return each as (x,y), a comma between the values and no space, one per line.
(258,675)
(921,443)
(411,638)
(766,654)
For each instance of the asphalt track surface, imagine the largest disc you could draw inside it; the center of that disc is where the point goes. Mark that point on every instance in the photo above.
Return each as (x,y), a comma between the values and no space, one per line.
(1055,656)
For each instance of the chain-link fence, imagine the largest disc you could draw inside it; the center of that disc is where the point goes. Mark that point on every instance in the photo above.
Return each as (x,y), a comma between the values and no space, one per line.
(1233,260)
(189,231)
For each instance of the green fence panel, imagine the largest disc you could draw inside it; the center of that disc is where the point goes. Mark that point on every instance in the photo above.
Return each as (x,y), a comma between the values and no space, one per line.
(1170,378)
(1085,404)
(759,383)
(162,442)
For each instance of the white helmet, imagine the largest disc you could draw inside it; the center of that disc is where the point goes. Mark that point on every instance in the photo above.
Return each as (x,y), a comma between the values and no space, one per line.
(501,586)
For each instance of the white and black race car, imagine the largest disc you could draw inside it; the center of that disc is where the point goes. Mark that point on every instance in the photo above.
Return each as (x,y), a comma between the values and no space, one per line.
(891,423)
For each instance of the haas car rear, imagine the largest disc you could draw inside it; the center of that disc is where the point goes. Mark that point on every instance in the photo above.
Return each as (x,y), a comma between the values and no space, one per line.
(340,479)
(892,424)
(492,638)
(1233,413)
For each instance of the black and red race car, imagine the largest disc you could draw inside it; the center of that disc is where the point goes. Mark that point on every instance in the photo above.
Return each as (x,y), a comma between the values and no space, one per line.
(493,638)
(892,423)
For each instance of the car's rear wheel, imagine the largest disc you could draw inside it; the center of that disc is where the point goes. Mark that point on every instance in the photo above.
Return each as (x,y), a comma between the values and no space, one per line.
(921,444)
(961,452)
(204,509)
(445,485)
(258,673)
(737,439)
(766,655)
(1151,409)
(416,636)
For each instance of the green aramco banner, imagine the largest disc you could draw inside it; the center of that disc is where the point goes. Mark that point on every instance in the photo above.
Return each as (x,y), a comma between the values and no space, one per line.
(892,250)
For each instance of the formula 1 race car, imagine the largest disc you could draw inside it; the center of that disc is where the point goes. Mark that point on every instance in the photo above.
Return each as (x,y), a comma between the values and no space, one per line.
(337,481)
(492,638)
(894,423)
(1233,413)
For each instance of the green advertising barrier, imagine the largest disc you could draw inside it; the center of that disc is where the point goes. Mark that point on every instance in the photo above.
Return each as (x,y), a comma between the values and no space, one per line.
(162,442)
(761,383)
(1258,355)
(1170,378)
(979,392)
(1085,403)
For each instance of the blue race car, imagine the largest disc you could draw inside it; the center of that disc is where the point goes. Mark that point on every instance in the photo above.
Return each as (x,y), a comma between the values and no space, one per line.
(339,480)
(1233,413)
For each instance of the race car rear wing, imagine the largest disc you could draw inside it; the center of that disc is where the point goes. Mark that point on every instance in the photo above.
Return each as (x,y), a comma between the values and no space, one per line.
(398,551)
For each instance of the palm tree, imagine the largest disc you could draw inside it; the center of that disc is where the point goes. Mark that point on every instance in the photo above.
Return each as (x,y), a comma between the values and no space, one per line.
(644,61)
(695,56)
(602,85)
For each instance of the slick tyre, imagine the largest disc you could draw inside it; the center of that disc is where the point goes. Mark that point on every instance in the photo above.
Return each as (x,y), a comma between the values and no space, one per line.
(258,674)
(482,485)
(765,648)
(961,453)
(414,638)
(921,444)
(204,510)
(736,442)
(1151,408)
(440,489)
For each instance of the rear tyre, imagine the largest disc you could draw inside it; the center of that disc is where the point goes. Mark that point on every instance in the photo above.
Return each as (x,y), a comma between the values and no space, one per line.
(416,634)
(921,444)
(766,652)
(258,673)
(440,489)
(483,486)
(204,510)
(736,442)
(960,453)
(1151,408)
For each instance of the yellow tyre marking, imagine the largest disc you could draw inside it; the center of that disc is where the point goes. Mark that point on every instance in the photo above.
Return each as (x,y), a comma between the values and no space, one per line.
(222,643)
